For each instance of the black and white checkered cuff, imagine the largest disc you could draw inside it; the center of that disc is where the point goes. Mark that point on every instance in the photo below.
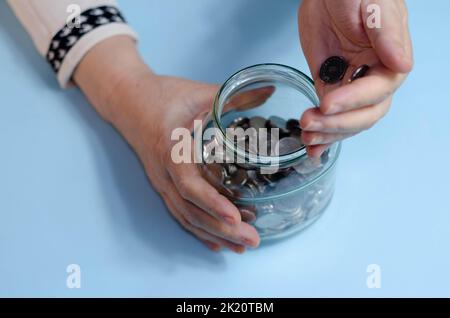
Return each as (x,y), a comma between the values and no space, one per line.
(73,41)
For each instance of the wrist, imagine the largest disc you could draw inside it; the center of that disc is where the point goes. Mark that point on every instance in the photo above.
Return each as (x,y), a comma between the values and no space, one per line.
(104,69)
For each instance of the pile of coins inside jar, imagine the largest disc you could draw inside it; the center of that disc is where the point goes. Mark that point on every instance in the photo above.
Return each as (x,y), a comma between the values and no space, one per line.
(242,183)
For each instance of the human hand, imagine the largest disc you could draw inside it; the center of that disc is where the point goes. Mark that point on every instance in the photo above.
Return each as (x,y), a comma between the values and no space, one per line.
(338,28)
(146,108)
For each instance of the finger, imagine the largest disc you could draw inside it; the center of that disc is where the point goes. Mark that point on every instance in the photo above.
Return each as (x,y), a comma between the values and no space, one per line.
(211,245)
(370,90)
(241,233)
(192,187)
(316,151)
(391,39)
(317,138)
(183,222)
(213,242)
(352,121)
(205,236)
(250,99)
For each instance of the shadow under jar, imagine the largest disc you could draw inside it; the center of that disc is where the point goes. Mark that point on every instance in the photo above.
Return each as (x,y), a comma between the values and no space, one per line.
(251,150)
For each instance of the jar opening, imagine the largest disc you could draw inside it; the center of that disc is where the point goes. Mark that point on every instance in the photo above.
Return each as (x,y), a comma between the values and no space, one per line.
(270,88)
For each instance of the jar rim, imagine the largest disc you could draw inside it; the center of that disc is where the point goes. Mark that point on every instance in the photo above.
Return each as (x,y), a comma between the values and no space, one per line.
(306,86)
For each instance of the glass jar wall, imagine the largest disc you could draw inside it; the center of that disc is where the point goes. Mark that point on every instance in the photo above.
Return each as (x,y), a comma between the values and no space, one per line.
(251,150)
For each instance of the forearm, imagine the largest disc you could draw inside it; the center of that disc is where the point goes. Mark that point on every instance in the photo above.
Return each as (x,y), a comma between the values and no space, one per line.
(101,72)
(110,76)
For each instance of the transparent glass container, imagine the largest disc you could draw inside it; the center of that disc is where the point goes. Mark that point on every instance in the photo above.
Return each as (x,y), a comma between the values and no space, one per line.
(251,150)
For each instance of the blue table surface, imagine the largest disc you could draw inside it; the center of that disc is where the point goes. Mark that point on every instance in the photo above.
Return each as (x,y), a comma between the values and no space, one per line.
(73,192)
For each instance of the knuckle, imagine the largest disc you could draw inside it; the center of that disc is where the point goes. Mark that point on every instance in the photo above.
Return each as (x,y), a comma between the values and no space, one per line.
(185,223)
(191,220)
(337,125)
(184,188)
(224,230)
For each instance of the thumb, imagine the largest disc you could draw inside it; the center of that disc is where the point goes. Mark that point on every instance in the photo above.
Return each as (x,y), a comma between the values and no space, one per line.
(386,24)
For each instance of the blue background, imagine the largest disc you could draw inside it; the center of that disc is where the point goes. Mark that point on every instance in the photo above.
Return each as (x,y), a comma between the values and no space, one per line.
(72,191)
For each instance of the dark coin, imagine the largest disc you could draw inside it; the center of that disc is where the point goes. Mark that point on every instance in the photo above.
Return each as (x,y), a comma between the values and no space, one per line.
(295,132)
(239,178)
(333,69)
(215,173)
(247,215)
(271,178)
(226,191)
(240,122)
(292,124)
(359,72)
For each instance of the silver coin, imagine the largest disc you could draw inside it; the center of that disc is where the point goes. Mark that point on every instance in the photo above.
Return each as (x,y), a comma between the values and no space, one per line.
(291,204)
(260,185)
(258,122)
(230,168)
(277,122)
(269,221)
(308,166)
(251,174)
(325,156)
(289,145)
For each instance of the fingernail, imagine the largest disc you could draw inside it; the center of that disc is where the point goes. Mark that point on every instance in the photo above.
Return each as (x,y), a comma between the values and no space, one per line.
(229,219)
(213,247)
(248,242)
(240,250)
(314,125)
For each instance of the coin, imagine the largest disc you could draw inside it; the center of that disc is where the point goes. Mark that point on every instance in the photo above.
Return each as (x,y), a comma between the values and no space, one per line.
(295,132)
(308,165)
(226,191)
(258,122)
(271,178)
(333,69)
(215,173)
(289,145)
(230,169)
(239,122)
(277,122)
(269,221)
(359,72)
(292,204)
(257,185)
(280,123)
(247,215)
(239,178)
(325,156)
(292,124)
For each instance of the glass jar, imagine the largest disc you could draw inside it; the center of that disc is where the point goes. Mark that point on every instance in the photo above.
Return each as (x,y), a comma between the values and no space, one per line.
(251,150)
